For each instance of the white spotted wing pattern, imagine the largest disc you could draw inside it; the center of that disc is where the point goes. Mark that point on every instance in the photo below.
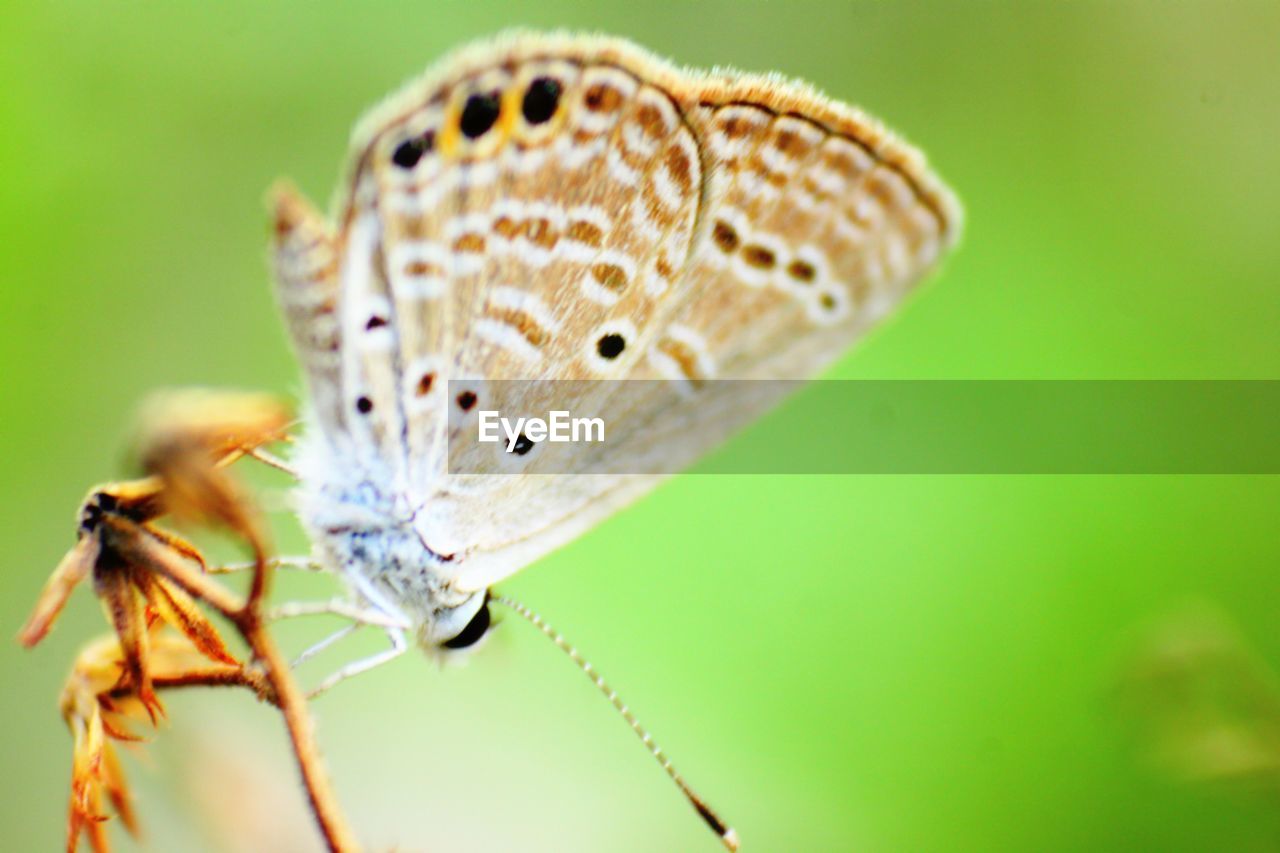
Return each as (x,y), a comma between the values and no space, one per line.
(554,207)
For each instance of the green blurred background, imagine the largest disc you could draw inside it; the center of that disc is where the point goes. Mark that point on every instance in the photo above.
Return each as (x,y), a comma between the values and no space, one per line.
(874,663)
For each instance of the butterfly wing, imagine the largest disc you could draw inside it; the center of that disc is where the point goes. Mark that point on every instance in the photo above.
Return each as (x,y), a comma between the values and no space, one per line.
(547,207)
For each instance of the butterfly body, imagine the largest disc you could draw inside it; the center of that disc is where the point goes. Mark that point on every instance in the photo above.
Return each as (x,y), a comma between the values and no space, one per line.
(373,537)
(565,208)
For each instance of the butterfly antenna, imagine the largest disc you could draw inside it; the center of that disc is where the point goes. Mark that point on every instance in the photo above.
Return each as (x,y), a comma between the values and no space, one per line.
(718,826)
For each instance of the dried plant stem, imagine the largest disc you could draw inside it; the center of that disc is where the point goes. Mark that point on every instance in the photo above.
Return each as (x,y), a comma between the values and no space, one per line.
(275,683)
(293,706)
(225,676)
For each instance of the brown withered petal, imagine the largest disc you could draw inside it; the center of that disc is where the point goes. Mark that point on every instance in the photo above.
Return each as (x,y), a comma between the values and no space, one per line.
(177,543)
(84,811)
(187,435)
(215,421)
(197,490)
(113,782)
(97,670)
(75,567)
(116,731)
(140,500)
(179,610)
(113,582)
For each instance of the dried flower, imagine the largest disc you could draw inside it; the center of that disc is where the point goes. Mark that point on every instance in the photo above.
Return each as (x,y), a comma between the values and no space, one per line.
(115,532)
(149,582)
(188,437)
(100,709)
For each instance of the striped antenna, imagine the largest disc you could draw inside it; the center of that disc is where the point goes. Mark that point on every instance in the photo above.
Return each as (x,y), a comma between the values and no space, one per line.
(718,826)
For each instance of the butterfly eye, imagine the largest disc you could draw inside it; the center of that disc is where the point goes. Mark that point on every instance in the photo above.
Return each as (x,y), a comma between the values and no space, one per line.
(479,114)
(475,629)
(522,446)
(466,400)
(364,405)
(541,100)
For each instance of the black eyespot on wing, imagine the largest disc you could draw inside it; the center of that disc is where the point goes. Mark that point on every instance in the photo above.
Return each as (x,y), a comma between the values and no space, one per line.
(364,405)
(802,271)
(759,257)
(425,382)
(522,446)
(541,100)
(475,629)
(466,400)
(409,152)
(725,237)
(610,346)
(375,322)
(479,114)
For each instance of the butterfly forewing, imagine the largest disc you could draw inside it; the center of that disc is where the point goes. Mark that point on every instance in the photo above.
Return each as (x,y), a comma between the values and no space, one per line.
(557,208)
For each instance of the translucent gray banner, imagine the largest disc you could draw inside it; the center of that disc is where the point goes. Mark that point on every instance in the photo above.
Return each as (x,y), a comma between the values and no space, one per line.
(864,427)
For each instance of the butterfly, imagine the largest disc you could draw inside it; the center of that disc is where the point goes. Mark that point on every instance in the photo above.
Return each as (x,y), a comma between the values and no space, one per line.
(556,207)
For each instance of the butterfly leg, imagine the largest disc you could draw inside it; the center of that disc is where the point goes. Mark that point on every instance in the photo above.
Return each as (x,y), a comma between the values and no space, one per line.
(338,607)
(301,564)
(269,459)
(313,650)
(399,645)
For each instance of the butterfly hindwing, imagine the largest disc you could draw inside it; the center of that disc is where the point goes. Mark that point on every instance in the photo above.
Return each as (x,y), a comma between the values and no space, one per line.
(305,257)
